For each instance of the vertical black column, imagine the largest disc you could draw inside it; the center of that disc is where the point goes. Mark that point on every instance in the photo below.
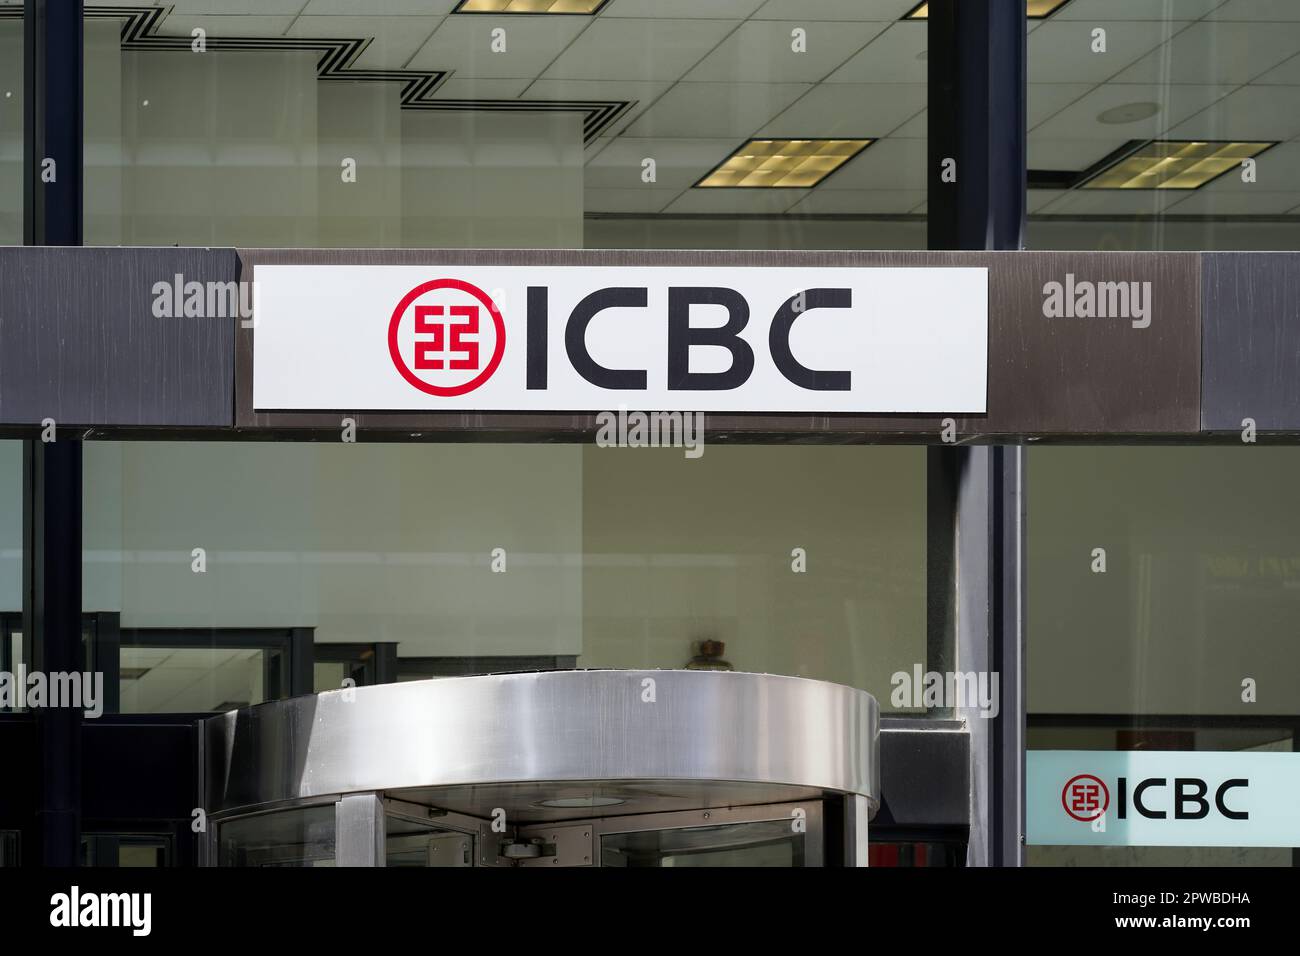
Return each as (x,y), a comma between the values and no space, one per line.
(977,155)
(302,662)
(977,180)
(52,615)
(52,203)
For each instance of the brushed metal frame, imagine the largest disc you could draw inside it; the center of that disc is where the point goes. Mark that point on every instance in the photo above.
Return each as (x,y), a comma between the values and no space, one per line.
(552,726)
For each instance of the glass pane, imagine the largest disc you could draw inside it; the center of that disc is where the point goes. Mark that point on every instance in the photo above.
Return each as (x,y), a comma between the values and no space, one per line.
(303,836)
(410,843)
(1201,587)
(14,654)
(1165,125)
(124,850)
(801,560)
(328,675)
(11,124)
(769,843)
(191,679)
(727,124)
(1163,604)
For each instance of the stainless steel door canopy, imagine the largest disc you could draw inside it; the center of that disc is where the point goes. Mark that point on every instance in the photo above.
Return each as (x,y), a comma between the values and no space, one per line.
(554,745)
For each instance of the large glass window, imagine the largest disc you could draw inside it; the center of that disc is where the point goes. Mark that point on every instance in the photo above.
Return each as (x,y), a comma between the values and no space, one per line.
(1164,604)
(656,123)
(15,650)
(473,558)
(11,123)
(1165,124)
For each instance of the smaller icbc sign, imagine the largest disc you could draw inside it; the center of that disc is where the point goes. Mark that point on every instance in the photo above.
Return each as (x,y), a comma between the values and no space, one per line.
(531,338)
(1153,798)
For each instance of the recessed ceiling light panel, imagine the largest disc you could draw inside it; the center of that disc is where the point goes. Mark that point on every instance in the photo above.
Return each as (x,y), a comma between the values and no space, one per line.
(530,6)
(1170,164)
(1036,9)
(783,163)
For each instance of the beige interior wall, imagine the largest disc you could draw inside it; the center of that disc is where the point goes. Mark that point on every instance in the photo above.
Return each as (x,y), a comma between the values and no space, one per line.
(677,550)
(753,232)
(361,122)
(102,131)
(11,526)
(219,148)
(11,132)
(482,179)
(1202,587)
(385,542)
(622,556)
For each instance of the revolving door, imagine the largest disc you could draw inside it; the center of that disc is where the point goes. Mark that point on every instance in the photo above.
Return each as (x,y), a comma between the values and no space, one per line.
(558,769)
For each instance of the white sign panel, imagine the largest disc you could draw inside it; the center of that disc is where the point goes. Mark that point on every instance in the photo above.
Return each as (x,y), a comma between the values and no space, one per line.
(1162,798)
(594,338)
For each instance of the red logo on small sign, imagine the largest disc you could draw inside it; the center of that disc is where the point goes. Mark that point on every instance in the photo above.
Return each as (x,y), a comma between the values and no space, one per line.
(1085,797)
(440,348)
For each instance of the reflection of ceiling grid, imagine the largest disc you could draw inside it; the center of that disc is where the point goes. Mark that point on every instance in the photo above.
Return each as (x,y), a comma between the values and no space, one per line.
(685,83)
(139,32)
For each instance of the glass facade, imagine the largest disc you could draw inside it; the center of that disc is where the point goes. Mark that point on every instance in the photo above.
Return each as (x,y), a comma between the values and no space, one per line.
(472,558)
(1164,599)
(1165,124)
(11,124)
(239,565)
(426,125)
(15,649)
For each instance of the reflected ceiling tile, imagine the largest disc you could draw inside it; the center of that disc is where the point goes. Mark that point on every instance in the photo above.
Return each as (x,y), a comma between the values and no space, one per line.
(682,9)
(1250,113)
(222,7)
(181,24)
(1046,99)
(1127,111)
(1267,10)
(829,201)
(886,10)
(393,42)
(763,51)
(460,87)
(1244,202)
(1060,51)
(646,200)
(679,163)
(1071,154)
(1127,202)
(898,55)
(464,43)
(612,49)
(713,110)
(737,200)
(850,110)
(888,164)
(1135,9)
(1222,52)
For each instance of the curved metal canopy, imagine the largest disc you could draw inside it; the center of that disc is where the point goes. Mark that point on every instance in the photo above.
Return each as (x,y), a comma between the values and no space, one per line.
(703,738)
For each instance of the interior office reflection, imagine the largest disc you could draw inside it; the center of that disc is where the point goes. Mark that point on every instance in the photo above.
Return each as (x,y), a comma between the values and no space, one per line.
(215,560)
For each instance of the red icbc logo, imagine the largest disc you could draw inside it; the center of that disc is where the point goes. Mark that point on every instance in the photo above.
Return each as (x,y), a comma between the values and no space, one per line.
(446,337)
(1085,797)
